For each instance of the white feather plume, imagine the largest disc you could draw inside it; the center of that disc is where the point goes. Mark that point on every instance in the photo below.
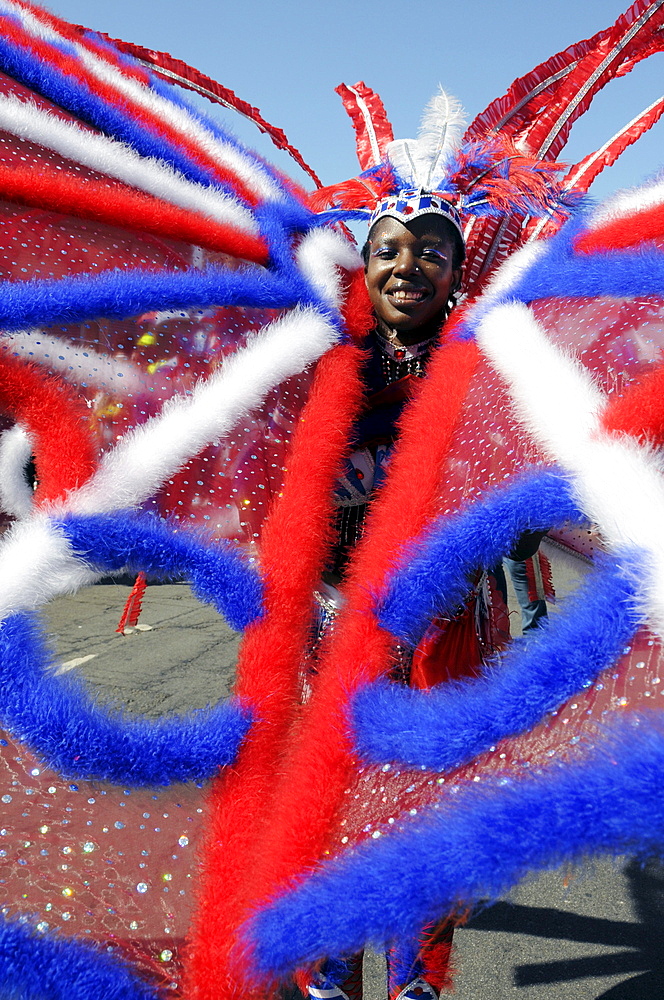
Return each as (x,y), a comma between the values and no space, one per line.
(421,162)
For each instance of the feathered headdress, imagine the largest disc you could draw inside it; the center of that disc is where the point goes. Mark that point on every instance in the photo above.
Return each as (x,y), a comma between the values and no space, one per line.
(440,171)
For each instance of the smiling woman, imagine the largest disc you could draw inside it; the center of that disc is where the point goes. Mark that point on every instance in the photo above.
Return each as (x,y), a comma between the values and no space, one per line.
(412,271)
(413,261)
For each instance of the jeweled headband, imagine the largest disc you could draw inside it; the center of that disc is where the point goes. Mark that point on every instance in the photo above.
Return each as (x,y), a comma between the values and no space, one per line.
(409,204)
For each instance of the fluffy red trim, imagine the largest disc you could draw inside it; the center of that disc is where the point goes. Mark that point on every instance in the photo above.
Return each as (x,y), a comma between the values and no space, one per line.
(70,66)
(358,312)
(65,452)
(119,205)
(76,33)
(270,662)
(640,410)
(318,763)
(641,226)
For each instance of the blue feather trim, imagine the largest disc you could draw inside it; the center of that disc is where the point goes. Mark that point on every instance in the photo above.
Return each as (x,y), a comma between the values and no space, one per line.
(56,718)
(34,966)
(118,294)
(561,272)
(219,572)
(436,578)
(451,723)
(474,848)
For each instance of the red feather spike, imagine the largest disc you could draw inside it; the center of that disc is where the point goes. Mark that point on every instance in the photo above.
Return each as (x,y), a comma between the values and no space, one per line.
(373,130)
(570,79)
(132,609)
(582,174)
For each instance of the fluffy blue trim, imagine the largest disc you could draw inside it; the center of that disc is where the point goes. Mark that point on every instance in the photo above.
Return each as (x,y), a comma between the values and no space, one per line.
(561,272)
(452,723)
(118,294)
(476,846)
(218,571)
(82,103)
(55,717)
(440,566)
(34,966)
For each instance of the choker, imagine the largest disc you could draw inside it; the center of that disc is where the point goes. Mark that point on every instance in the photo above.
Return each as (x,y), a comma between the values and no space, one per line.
(397,362)
(404,352)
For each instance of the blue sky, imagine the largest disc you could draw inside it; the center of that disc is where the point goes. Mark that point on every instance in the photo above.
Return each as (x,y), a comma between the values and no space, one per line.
(286,57)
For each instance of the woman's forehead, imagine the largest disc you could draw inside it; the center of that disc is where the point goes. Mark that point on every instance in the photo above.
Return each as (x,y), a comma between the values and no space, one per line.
(426,228)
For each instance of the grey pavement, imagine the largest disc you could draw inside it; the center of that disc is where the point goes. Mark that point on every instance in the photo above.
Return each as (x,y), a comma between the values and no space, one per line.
(588,932)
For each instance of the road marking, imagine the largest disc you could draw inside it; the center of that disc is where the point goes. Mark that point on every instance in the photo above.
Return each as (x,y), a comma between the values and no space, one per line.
(76,662)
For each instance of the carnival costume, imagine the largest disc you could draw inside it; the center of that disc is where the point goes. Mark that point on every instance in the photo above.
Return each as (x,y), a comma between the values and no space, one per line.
(181,327)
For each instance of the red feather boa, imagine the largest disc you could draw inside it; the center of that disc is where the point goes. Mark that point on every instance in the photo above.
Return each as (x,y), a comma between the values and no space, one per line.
(64,448)
(119,205)
(273,813)
(295,544)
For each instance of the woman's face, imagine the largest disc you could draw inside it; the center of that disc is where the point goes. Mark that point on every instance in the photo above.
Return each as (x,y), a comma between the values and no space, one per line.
(409,274)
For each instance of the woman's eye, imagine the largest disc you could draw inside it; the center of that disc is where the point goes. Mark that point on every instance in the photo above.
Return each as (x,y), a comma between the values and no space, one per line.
(384,253)
(435,255)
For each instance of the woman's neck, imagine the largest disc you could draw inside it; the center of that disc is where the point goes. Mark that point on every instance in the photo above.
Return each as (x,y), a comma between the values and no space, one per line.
(407,338)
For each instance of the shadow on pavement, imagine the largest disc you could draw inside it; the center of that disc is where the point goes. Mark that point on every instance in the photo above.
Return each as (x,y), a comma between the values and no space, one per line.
(644,939)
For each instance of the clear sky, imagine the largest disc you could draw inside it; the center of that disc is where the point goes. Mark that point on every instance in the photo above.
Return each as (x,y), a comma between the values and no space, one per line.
(286,56)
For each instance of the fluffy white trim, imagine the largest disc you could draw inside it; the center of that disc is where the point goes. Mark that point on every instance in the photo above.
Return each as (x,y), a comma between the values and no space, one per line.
(618,483)
(320,255)
(101,153)
(78,363)
(625,203)
(36,565)
(16,497)
(151,453)
(512,271)
(224,153)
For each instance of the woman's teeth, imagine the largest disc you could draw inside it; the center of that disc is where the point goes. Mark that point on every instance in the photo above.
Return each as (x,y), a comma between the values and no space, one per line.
(409,296)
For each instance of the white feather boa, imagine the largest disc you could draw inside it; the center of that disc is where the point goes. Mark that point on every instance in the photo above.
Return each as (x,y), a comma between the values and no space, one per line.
(99,152)
(618,482)
(16,497)
(224,153)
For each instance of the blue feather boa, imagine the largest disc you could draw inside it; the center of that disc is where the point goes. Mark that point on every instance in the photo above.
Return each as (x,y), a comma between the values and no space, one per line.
(452,723)
(118,294)
(474,848)
(436,577)
(34,966)
(55,717)
(218,571)
(561,272)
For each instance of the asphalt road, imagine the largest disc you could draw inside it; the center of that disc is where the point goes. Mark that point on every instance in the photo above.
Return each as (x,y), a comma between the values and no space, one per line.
(590,932)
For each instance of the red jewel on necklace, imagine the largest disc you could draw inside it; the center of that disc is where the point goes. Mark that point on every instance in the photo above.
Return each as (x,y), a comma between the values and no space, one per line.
(399,355)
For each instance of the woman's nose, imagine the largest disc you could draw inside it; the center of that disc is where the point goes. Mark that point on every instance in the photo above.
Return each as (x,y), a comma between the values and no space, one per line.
(405,263)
